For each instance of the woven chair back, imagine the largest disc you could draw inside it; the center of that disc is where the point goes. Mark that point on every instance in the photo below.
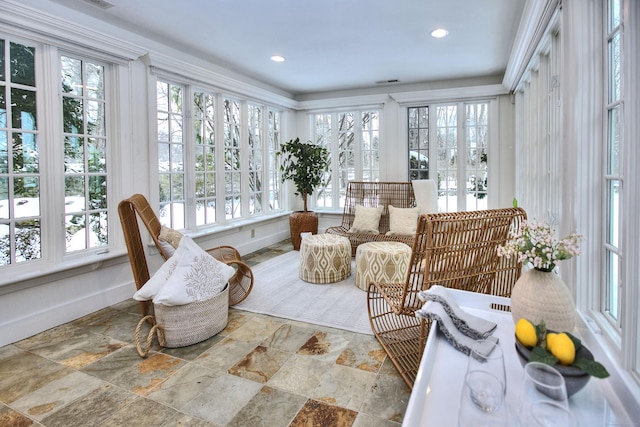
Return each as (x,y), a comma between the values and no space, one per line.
(135,249)
(149,219)
(459,250)
(374,194)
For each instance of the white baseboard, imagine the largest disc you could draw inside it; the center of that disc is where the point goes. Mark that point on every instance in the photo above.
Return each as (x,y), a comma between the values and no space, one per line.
(17,329)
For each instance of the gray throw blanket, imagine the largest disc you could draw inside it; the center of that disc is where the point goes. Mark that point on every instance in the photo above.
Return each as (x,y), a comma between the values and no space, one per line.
(461,329)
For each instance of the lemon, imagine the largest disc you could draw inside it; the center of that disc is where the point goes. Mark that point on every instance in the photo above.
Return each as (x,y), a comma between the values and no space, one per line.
(526,333)
(551,336)
(562,347)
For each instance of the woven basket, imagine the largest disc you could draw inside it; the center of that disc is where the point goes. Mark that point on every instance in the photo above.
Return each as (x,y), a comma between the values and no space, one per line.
(183,325)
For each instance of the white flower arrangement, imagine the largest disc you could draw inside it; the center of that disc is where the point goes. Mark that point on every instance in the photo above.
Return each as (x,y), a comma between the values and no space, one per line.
(536,243)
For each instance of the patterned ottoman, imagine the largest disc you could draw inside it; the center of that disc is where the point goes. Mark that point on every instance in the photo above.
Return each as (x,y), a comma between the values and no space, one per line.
(381,262)
(325,258)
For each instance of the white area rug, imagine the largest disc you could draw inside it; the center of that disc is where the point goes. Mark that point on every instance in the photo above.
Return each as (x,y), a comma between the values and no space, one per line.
(278,291)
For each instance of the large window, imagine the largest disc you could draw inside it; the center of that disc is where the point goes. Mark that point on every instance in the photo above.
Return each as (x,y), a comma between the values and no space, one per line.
(85,153)
(70,142)
(353,138)
(460,141)
(171,156)
(613,177)
(20,214)
(227,161)
(576,149)
(272,170)
(205,158)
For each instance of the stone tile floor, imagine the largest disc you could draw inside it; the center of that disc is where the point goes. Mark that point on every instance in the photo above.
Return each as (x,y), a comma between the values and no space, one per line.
(259,371)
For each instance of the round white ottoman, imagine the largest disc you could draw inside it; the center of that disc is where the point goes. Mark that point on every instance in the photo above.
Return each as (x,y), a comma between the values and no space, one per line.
(381,262)
(325,258)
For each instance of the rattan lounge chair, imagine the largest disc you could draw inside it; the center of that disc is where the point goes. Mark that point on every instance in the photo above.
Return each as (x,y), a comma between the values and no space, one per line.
(455,250)
(374,194)
(240,283)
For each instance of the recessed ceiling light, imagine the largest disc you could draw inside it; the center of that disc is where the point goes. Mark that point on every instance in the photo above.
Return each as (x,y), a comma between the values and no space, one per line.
(439,33)
(277,58)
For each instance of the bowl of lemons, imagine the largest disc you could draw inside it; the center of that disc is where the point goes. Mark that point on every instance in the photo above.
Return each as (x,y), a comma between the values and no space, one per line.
(562,350)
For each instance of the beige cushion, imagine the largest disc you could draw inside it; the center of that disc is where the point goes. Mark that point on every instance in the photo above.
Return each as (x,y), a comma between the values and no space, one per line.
(402,221)
(366,220)
(190,275)
(169,239)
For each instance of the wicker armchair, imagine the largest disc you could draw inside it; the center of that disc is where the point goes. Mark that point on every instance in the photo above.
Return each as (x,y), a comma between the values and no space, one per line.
(455,250)
(374,194)
(240,283)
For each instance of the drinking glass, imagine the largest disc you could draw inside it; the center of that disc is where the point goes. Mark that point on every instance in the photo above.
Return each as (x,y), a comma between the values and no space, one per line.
(483,393)
(543,393)
(486,356)
(482,402)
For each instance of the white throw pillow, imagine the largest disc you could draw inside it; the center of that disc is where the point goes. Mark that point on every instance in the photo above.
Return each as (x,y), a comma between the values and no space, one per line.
(402,221)
(366,220)
(190,275)
(169,239)
(426,195)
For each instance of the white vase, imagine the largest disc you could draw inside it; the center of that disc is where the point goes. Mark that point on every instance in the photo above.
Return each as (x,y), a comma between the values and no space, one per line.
(540,295)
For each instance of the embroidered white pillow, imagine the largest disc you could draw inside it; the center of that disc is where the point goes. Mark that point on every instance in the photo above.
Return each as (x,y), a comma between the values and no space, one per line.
(402,221)
(190,275)
(169,239)
(366,220)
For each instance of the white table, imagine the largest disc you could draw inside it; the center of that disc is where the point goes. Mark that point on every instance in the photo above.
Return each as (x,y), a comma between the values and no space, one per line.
(436,392)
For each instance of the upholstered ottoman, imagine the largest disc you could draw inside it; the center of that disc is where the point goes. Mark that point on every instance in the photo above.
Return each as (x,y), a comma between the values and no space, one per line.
(381,262)
(325,258)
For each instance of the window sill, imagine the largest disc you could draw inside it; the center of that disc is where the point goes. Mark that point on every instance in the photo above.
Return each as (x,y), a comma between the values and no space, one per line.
(235,225)
(626,386)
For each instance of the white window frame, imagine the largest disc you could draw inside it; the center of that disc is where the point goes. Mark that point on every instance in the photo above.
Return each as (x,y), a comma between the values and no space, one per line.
(578,191)
(332,143)
(223,220)
(54,257)
(461,150)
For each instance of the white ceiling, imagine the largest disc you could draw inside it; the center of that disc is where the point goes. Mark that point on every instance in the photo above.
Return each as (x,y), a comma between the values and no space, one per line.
(329,45)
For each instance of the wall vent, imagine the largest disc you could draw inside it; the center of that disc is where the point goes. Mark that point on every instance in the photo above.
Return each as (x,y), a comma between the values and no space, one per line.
(102,4)
(387,82)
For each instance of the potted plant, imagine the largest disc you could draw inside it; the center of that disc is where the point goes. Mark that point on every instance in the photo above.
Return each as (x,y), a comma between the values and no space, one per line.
(306,165)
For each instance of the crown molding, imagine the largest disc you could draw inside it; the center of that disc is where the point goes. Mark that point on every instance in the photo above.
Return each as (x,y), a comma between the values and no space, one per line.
(160,63)
(45,28)
(359,101)
(450,94)
(533,25)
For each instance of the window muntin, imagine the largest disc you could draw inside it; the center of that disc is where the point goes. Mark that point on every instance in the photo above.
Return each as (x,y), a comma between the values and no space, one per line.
(233,162)
(447,156)
(70,142)
(476,127)
(204,108)
(20,162)
(272,162)
(460,143)
(418,143)
(171,174)
(370,145)
(255,153)
(353,138)
(223,157)
(85,153)
(323,134)
(613,178)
